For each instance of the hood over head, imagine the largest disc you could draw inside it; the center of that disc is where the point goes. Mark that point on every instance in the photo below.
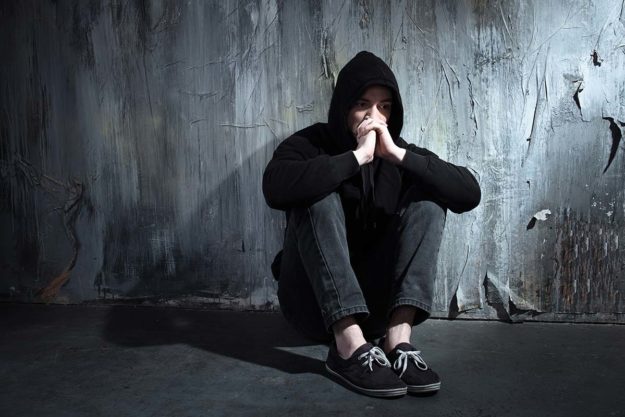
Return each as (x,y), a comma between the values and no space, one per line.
(362,71)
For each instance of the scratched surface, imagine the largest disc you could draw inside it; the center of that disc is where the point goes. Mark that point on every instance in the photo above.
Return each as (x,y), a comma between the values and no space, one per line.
(134,135)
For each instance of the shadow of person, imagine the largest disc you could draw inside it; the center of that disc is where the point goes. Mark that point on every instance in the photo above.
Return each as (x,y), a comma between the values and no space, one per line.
(260,338)
(226,235)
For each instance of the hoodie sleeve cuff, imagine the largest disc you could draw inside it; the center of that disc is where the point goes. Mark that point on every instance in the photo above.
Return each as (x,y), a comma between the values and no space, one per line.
(345,165)
(416,164)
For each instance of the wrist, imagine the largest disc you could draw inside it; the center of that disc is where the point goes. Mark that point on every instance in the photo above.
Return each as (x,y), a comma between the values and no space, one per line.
(362,156)
(399,155)
(394,156)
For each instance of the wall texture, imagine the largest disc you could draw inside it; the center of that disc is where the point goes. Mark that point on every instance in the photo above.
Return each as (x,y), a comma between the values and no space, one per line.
(134,135)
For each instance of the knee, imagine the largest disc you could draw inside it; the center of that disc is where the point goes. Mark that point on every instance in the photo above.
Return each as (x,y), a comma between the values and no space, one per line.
(425,211)
(329,206)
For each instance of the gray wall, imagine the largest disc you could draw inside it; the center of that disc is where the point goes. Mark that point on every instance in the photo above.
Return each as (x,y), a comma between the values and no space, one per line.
(134,136)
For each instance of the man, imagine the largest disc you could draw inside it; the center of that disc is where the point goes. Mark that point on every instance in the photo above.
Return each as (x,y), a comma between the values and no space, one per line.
(365,215)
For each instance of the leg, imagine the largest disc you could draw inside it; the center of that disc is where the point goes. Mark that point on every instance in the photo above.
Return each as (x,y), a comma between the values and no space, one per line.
(317,286)
(295,293)
(419,237)
(400,268)
(415,240)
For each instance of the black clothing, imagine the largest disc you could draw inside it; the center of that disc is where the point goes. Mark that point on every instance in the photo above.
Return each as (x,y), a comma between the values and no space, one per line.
(364,240)
(323,278)
(318,160)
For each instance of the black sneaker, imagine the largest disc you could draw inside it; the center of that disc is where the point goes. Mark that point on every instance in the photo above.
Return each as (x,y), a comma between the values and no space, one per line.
(367,371)
(412,369)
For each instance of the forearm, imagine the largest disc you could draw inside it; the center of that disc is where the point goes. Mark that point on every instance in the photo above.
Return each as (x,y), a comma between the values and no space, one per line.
(453,185)
(291,183)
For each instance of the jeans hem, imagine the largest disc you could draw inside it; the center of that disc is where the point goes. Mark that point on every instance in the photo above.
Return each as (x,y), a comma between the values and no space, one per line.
(331,319)
(410,302)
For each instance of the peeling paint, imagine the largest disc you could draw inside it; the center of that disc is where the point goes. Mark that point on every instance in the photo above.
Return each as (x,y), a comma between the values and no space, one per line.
(541,215)
(617,135)
(596,61)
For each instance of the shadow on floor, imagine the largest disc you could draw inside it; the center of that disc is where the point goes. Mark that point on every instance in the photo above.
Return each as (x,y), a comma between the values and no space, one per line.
(256,338)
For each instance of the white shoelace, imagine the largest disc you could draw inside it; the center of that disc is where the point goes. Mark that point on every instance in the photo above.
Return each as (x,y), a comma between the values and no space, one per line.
(404,356)
(374,354)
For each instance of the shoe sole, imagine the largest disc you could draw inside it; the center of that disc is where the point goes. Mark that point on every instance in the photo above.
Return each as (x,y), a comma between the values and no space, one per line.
(421,389)
(383,393)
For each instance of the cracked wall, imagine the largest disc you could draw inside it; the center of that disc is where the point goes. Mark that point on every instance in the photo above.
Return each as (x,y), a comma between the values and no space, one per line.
(134,135)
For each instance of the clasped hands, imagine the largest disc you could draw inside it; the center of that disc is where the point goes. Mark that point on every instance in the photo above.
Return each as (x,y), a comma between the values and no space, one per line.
(374,140)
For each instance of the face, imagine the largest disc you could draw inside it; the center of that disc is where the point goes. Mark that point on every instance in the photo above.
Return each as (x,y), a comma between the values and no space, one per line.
(375,102)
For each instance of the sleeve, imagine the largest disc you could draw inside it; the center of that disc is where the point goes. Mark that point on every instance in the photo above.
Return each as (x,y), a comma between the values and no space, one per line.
(299,175)
(454,186)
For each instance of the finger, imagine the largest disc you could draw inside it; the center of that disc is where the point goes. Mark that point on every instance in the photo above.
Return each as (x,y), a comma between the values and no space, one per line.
(374,125)
(368,118)
(367,136)
(364,131)
(376,121)
(366,121)
(364,127)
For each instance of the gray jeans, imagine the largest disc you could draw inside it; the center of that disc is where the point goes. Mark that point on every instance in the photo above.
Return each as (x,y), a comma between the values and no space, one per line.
(321,281)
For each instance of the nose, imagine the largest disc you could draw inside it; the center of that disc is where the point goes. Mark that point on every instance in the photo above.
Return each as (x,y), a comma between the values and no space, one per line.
(374,113)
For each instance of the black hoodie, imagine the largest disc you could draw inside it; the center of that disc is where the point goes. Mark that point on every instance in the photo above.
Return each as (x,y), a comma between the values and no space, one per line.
(319,160)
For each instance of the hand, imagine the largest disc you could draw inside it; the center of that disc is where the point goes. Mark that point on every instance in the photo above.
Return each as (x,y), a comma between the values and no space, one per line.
(366,148)
(385,147)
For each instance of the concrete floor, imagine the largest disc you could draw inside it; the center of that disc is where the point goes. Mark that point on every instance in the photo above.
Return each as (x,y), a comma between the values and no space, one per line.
(146,361)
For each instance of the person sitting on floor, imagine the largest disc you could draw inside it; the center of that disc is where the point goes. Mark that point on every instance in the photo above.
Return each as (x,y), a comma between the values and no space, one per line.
(365,216)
